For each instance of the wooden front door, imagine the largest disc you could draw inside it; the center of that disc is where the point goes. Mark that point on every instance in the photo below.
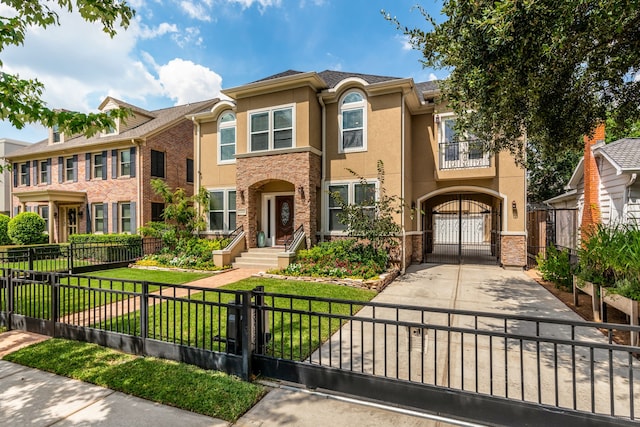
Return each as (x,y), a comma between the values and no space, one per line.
(69,225)
(284,218)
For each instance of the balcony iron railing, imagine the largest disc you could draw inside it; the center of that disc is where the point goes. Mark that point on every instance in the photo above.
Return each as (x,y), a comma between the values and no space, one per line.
(464,154)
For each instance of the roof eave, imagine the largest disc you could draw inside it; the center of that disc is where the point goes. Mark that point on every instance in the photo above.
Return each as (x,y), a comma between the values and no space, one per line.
(273,85)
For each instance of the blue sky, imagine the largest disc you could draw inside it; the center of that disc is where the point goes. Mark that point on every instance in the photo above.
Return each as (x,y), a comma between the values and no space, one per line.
(179,51)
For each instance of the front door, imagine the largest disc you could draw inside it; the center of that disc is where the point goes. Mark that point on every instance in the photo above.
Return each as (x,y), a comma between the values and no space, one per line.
(69,222)
(284,218)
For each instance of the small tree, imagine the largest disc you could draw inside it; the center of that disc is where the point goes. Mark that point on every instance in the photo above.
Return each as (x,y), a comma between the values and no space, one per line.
(4,224)
(180,210)
(371,218)
(27,228)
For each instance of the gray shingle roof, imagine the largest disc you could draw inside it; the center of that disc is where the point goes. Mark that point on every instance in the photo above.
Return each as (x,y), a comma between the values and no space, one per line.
(161,118)
(334,77)
(625,152)
(279,75)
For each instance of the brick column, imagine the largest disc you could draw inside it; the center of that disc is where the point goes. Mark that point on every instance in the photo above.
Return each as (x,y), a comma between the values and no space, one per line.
(591,209)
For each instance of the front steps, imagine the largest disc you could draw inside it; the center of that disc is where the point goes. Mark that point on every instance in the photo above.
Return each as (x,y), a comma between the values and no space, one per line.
(259,258)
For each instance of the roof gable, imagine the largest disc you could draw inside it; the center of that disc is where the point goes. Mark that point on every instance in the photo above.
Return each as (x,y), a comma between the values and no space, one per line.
(623,154)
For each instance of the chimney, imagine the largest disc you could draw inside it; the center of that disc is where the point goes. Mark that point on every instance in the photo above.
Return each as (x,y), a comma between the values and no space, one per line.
(591,209)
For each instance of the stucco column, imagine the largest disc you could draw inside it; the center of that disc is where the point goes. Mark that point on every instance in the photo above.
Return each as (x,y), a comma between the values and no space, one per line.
(50,222)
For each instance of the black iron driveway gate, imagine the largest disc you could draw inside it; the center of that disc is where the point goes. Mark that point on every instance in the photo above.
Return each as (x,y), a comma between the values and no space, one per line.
(488,368)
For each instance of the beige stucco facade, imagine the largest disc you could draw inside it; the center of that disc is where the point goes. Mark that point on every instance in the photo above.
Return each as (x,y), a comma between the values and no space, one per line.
(398,122)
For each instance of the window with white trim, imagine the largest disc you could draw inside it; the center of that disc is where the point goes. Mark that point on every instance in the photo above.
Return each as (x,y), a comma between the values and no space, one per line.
(272,129)
(353,122)
(43,211)
(98,166)
(99,226)
(222,210)
(124,213)
(459,149)
(363,194)
(24,174)
(124,162)
(43,171)
(69,168)
(227,138)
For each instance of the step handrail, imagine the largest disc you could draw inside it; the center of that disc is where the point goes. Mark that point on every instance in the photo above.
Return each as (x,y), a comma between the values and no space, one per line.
(294,239)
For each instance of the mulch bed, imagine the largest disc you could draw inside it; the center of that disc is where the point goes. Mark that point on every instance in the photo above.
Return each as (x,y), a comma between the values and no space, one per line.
(585,309)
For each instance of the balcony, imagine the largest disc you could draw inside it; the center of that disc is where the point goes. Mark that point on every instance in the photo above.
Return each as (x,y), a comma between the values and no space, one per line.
(465,154)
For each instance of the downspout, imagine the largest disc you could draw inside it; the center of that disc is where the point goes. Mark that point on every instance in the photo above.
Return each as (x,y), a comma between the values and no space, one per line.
(323,167)
(139,184)
(402,195)
(196,172)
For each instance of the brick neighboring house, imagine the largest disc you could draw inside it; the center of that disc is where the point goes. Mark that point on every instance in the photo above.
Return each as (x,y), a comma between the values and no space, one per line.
(270,155)
(102,184)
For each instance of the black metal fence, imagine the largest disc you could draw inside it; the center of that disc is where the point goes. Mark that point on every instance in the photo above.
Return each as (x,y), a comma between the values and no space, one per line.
(486,367)
(77,257)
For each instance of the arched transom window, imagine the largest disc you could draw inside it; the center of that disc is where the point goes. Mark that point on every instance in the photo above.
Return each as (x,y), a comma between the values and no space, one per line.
(353,122)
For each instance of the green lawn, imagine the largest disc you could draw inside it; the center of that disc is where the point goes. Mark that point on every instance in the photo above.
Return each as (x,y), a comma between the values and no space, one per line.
(35,299)
(199,321)
(184,386)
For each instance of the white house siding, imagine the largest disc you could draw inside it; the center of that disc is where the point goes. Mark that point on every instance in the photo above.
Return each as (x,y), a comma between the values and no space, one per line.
(612,193)
(633,205)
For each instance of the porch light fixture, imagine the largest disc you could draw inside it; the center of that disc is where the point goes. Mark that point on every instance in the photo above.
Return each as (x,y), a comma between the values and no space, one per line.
(514,206)
(301,191)
(55,214)
(242,196)
(80,213)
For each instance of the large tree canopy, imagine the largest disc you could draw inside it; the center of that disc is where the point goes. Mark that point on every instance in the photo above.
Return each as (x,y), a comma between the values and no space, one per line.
(546,70)
(21,99)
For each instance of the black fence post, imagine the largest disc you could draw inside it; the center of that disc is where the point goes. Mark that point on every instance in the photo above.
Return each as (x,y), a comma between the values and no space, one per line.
(55,302)
(31,257)
(247,329)
(261,332)
(144,315)
(70,259)
(10,302)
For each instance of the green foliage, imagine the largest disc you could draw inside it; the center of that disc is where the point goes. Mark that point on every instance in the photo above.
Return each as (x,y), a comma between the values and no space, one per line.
(129,239)
(192,253)
(545,69)
(4,232)
(181,211)
(376,222)
(21,100)
(556,267)
(27,228)
(611,257)
(161,230)
(547,174)
(340,258)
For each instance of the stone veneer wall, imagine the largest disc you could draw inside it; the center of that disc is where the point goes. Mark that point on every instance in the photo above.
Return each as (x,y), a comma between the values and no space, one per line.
(417,248)
(513,251)
(302,169)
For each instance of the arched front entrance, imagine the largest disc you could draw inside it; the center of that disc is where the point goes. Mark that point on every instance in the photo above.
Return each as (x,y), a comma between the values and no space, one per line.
(462,228)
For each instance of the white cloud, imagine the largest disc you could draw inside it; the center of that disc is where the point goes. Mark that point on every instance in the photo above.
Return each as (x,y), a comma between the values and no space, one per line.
(160,30)
(187,82)
(189,36)
(262,3)
(405,41)
(195,11)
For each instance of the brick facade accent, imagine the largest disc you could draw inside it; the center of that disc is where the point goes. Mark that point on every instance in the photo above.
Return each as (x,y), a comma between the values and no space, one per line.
(513,251)
(302,170)
(591,210)
(417,248)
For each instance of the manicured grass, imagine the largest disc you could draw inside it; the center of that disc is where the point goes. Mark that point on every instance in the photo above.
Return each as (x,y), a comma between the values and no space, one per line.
(200,321)
(160,276)
(184,386)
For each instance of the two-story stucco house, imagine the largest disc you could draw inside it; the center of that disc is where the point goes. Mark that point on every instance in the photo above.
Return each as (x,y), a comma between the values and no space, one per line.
(102,184)
(270,155)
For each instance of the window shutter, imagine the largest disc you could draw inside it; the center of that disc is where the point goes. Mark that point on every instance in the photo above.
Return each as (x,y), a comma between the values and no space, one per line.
(87,167)
(105,214)
(114,217)
(28,173)
(49,171)
(15,174)
(104,164)
(35,172)
(75,168)
(134,227)
(60,170)
(88,215)
(114,164)
(133,162)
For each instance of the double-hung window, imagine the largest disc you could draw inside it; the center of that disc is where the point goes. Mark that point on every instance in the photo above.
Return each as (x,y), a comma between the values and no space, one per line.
(43,211)
(98,166)
(125,217)
(363,194)
(99,225)
(460,149)
(24,174)
(69,169)
(222,210)
(272,129)
(43,172)
(227,138)
(124,163)
(353,122)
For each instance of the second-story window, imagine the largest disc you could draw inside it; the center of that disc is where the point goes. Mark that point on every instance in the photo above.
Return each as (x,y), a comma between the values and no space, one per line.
(459,149)
(353,121)
(272,129)
(157,164)
(24,174)
(124,163)
(43,172)
(98,166)
(69,168)
(227,138)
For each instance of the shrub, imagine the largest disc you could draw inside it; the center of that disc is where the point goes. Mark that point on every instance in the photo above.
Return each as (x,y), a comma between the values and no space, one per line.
(4,234)
(340,258)
(131,239)
(27,228)
(193,253)
(556,267)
